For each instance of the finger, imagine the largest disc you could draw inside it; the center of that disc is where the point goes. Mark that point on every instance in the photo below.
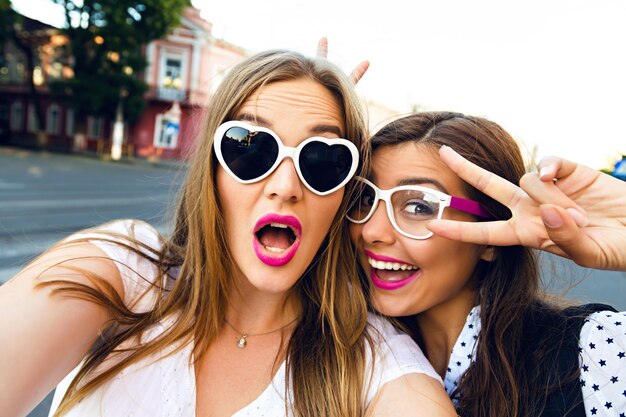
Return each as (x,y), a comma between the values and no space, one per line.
(358,72)
(496,233)
(554,167)
(322,48)
(487,182)
(548,193)
(565,233)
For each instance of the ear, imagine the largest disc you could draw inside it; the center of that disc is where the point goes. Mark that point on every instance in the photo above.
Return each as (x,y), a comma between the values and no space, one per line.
(488,253)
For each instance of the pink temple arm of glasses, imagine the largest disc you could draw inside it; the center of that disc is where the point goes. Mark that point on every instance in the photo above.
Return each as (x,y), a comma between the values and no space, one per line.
(469,206)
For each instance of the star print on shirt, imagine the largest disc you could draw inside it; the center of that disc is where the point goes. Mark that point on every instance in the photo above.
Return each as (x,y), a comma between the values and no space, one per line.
(602,362)
(604,348)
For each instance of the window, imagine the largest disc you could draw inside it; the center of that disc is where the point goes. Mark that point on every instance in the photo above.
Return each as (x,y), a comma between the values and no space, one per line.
(17,117)
(32,124)
(53,120)
(69,122)
(95,127)
(166,132)
(171,82)
(173,72)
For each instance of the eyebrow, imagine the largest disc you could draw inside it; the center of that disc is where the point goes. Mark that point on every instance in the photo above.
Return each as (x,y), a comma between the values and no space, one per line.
(254,119)
(317,129)
(422,181)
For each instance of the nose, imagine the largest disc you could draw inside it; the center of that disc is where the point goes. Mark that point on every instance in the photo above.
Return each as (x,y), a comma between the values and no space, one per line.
(284,182)
(378,229)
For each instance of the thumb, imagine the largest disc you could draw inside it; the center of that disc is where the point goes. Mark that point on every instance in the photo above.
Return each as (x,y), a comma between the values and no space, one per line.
(567,235)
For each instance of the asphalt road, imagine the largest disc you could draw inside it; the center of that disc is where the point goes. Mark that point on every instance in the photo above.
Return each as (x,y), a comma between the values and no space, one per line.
(44,197)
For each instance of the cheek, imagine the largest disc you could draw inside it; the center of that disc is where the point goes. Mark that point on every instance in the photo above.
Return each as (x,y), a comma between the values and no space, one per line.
(355,233)
(324,209)
(232,197)
(456,262)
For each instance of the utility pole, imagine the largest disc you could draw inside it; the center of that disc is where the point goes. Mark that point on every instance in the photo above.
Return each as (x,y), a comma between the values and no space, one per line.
(118,128)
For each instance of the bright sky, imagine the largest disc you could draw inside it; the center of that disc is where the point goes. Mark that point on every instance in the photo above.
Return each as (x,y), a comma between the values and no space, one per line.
(552,72)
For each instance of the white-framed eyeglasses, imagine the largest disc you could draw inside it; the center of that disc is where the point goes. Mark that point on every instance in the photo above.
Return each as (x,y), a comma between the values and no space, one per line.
(409,207)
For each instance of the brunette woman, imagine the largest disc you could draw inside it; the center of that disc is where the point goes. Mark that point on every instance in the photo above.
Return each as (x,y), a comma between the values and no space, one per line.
(477,309)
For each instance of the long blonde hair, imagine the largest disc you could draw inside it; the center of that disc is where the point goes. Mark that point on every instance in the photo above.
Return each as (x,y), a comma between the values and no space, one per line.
(326,353)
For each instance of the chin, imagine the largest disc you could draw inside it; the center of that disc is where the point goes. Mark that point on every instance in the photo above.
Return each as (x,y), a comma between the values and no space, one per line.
(273,283)
(391,307)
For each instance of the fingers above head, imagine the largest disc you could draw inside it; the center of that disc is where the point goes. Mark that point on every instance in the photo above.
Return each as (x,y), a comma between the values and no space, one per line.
(322,48)
(358,71)
(487,182)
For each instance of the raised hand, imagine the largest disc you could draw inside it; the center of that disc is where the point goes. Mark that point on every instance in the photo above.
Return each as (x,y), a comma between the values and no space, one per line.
(597,241)
(568,209)
(358,71)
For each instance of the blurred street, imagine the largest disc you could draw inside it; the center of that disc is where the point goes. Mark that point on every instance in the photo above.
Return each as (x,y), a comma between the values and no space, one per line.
(45,196)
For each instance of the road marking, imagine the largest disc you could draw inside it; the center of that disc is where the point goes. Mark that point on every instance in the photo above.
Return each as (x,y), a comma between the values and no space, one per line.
(83,203)
(4,185)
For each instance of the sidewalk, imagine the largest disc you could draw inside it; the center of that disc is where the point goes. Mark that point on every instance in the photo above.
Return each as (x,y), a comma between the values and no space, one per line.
(10,150)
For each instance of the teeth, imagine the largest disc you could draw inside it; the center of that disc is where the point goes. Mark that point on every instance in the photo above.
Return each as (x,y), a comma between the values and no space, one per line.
(279,225)
(274,250)
(391,266)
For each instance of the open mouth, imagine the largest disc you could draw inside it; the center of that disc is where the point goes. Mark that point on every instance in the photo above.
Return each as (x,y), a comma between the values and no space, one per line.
(276,239)
(390,274)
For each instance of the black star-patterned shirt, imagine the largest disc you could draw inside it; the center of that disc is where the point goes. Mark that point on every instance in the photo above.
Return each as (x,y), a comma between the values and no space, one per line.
(602,347)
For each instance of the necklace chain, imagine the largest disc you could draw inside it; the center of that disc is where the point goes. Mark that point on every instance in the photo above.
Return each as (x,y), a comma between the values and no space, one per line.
(242,341)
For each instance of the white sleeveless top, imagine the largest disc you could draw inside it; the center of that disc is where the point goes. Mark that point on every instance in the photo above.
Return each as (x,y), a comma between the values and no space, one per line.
(161,386)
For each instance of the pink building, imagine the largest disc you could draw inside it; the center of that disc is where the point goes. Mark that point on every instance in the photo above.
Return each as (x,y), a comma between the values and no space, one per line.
(182,73)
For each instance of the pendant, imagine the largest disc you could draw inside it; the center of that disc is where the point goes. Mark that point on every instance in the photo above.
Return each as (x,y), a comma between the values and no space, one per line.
(241,343)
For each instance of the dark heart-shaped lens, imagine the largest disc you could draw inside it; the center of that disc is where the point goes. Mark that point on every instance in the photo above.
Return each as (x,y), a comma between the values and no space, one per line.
(249,155)
(324,166)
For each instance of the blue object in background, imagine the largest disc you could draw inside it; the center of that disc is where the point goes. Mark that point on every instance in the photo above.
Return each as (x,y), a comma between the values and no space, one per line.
(619,169)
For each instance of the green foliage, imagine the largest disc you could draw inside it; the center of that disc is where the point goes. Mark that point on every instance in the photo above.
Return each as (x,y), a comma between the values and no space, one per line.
(8,18)
(107,38)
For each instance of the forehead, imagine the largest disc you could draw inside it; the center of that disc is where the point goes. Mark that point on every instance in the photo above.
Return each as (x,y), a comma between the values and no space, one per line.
(413,163)
(303,102)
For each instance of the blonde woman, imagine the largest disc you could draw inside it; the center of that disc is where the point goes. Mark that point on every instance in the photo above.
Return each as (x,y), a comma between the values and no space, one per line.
(251,307)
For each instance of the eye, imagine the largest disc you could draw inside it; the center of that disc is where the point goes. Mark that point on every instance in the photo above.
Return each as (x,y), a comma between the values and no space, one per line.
(418,208)
(366,200)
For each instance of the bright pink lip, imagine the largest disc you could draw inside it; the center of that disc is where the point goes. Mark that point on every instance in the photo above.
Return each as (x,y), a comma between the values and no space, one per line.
(271,258)
(383,258)
(389,285)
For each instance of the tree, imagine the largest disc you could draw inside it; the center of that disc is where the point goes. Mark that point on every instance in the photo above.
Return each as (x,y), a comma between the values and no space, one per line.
(27,41)
(106,52)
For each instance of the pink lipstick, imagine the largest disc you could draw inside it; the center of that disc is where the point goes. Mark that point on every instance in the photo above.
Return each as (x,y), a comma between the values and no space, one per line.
(389,273)
(276,238)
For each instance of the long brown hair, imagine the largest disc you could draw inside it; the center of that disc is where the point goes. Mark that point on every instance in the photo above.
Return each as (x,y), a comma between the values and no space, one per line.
(503,380)
(326,353)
